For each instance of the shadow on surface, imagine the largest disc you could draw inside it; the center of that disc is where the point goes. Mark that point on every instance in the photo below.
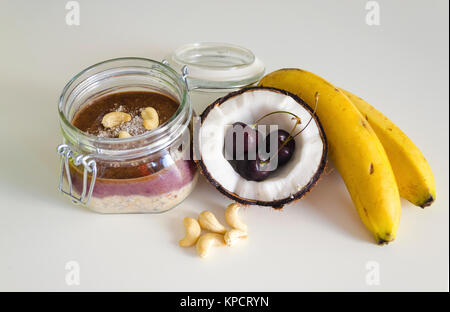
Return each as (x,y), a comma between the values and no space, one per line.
(330,200)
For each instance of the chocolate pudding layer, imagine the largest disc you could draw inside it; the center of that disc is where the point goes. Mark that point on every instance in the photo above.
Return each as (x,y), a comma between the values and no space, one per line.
(89,119)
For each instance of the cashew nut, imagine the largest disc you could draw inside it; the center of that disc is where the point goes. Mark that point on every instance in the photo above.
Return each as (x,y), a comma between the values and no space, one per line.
(193,231)
(115,119)
(232,217)
(151,118)
(209,222)
(206,241)
(124,134)
(232,236)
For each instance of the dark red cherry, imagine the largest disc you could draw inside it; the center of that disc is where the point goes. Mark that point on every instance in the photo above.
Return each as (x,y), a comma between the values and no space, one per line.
(286,152)
(252,170)
(243,134)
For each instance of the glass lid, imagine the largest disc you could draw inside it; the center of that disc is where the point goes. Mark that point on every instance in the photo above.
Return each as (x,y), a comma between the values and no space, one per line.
(217,66)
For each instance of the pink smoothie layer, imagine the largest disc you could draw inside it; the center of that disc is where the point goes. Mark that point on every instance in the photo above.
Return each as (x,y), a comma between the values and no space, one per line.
(164,181)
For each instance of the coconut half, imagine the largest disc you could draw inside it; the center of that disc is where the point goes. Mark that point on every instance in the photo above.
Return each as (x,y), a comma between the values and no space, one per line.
(288,183)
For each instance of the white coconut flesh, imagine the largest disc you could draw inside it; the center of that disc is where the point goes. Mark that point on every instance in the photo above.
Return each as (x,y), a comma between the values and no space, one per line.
(247,107)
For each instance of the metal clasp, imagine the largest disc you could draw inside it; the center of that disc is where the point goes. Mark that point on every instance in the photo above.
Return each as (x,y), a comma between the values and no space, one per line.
(184,72)
(89,166)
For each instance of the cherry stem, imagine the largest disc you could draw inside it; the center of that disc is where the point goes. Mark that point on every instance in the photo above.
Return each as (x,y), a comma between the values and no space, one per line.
(276,112)
(287,139)
(291,137)
(312,115)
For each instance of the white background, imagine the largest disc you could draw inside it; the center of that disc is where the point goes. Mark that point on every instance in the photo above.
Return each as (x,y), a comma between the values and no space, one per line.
(319,243)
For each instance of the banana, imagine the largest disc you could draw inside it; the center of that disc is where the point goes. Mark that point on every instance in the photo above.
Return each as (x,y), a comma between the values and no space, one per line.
(354,148)
(415,179)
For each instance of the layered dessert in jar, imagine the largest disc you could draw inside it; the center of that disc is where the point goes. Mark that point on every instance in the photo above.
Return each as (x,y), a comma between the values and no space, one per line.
(138,137)
(148,184)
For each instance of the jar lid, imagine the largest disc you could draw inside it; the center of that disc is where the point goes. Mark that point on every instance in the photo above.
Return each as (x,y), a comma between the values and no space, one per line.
(217,66)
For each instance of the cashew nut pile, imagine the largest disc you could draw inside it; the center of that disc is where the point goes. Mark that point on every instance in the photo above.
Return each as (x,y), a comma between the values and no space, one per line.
(218,234)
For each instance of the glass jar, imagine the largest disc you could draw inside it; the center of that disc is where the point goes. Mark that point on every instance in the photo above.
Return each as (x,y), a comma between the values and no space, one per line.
(215,69)
(162,156)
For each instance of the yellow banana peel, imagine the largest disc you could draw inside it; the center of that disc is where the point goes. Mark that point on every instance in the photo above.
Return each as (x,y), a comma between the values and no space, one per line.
(414,177)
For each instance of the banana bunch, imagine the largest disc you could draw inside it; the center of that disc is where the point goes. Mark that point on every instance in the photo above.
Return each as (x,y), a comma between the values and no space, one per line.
(376,160)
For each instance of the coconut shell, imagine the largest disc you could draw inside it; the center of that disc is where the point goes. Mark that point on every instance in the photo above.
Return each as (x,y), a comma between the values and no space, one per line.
(276,204)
